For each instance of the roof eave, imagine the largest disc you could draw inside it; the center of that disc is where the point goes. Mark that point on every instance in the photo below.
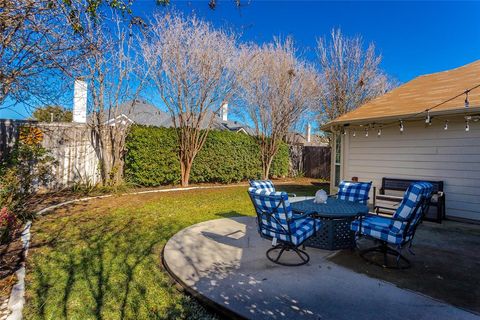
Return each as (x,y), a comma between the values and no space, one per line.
(328,126)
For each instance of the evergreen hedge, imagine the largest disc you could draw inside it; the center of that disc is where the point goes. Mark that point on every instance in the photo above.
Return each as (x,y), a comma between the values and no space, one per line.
(151,158)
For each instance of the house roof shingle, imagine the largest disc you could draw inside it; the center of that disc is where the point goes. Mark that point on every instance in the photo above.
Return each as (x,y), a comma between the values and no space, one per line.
(420,94)
(143,113)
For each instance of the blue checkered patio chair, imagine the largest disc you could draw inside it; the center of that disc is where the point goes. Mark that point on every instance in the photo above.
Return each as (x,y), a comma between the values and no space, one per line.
(277,222)
(354,191)
(398,231)
(266,185)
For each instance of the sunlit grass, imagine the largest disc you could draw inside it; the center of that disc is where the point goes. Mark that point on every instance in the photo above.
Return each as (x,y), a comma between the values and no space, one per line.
(102,259)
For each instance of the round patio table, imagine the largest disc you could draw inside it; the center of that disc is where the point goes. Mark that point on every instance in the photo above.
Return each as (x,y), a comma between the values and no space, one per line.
(336,216)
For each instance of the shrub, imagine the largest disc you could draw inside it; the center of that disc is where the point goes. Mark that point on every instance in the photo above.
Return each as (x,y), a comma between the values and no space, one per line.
(226,157)
(8,225)
(151,157)
(23,170)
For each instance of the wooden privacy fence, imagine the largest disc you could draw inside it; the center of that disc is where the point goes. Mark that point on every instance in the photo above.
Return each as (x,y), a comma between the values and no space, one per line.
(70,144)
(311,161)
(316,162)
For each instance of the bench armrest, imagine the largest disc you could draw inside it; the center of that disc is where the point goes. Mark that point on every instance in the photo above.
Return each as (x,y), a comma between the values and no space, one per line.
(389,198)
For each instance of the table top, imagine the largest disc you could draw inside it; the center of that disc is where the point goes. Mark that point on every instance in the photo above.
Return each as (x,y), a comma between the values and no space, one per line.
(333,208)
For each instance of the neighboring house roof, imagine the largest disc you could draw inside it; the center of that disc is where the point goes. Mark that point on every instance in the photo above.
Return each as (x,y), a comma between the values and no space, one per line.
(234,126)
(144,113)
(420,94)
(296,138)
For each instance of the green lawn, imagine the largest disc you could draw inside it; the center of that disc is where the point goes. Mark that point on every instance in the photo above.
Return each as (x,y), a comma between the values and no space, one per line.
(102,259)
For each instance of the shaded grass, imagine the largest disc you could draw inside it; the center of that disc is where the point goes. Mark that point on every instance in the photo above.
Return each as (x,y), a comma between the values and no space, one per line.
(102,259)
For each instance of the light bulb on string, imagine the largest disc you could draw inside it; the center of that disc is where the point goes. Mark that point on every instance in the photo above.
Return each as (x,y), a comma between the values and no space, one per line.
(445,127)
(366,132)
(401,126)
(467,103)
(379,132)
(467,124)
(354,133)
(428,119)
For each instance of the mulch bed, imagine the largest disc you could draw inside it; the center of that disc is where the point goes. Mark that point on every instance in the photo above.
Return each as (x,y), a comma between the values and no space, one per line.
(10,260)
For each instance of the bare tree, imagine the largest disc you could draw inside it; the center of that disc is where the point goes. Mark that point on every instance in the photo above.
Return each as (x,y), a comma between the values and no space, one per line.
(351,75)
(191,64)
(115,81)
(36,45)
(277,89)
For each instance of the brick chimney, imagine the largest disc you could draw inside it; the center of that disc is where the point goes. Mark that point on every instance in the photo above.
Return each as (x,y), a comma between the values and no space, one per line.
(80,101)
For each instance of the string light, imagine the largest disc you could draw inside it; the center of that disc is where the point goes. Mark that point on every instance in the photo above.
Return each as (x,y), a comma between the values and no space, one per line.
(344,132)
(428,120)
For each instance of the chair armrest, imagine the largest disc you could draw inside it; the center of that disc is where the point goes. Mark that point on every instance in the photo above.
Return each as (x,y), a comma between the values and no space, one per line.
(291,194)
(301,215)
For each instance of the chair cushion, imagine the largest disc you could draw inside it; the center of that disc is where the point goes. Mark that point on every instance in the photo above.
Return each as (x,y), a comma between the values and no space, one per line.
(266,185)
(354,191)
(301,229)
(378,228)
(409,202)
(276,207)
(392,230)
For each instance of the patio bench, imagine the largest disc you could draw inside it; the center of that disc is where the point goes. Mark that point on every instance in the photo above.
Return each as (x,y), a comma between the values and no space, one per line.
(388,203)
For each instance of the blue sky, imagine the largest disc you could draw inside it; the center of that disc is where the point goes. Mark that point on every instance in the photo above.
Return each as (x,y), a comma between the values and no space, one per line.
(413,38)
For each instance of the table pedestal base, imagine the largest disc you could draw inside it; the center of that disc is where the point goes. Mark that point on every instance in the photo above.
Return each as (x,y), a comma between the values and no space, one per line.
(335,234)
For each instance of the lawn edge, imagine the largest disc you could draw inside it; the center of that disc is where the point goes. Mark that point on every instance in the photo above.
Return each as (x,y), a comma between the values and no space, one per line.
(16,301)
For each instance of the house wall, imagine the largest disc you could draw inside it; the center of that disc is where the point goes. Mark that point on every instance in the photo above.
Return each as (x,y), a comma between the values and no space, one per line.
(421,152)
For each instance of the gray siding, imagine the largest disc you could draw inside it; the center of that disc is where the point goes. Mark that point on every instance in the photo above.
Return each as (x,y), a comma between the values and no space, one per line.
(422,152)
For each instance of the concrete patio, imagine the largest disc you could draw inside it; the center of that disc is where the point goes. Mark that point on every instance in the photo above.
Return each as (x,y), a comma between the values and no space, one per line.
(223,263)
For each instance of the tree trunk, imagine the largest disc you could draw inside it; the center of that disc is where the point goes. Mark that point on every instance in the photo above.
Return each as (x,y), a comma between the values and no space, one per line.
(110,155)
(186,167)
(266,164)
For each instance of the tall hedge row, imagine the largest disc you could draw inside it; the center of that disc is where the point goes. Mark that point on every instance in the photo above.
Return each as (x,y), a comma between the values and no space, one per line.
(151,158)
